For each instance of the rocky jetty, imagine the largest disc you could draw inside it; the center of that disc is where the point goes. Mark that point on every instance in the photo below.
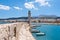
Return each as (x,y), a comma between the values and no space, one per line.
(15,31)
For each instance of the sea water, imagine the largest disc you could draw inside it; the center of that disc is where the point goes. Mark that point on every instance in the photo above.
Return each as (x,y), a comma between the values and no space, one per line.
(5,22)
(52,32)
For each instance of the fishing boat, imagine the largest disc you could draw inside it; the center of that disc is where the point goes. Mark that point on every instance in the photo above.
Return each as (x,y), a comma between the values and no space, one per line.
(34,31)
(40,34)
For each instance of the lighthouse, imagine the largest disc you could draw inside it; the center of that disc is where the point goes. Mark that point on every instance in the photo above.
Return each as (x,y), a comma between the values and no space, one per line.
(29,17)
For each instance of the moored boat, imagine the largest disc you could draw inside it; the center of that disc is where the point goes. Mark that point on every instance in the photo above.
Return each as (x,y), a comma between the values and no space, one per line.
(40,34)
(35,31)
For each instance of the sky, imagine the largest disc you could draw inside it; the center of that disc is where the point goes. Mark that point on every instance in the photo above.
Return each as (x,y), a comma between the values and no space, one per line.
(19,8)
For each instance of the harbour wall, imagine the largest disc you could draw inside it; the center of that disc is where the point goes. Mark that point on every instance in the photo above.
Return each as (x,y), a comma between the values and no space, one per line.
(15,31)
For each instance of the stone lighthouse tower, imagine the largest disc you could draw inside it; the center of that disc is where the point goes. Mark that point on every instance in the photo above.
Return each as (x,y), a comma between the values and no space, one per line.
(29,17)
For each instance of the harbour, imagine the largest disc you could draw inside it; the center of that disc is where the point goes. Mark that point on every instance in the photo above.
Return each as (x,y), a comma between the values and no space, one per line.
(52,32)
(37,28)
(29,19)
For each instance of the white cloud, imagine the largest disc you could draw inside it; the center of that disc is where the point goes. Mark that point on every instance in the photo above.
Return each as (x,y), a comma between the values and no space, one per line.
(29,5)
(43,2)
(4,7)
(17,8)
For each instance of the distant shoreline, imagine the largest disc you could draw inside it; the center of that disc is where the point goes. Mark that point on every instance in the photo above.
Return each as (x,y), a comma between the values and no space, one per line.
(46,23)
(50,23)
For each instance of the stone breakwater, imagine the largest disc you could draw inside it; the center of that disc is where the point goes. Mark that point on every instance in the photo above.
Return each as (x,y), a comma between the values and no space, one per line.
(15,31)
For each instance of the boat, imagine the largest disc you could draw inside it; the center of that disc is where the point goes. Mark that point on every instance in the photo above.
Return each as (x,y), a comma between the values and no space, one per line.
(34,31)
(33,28)
(40,34)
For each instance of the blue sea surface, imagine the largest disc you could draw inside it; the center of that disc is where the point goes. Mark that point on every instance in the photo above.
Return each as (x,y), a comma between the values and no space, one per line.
(2,22)
(5,22)
(52,32)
